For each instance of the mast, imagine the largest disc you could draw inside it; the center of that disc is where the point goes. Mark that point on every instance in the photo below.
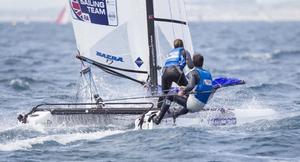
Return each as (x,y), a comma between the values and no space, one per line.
(152,46)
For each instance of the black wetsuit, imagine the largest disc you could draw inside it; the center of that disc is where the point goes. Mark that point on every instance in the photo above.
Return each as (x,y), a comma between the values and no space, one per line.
(194,78)
(174,74)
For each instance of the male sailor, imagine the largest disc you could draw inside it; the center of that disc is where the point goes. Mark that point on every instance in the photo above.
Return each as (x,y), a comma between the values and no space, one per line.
(200,81)
(175,62)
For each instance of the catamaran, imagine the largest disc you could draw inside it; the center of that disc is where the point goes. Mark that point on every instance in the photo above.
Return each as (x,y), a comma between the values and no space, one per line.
(128,39)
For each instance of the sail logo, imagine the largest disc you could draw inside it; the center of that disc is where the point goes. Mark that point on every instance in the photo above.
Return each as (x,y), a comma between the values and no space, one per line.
(110,58)
(95,7)
(103,12)
(139,62)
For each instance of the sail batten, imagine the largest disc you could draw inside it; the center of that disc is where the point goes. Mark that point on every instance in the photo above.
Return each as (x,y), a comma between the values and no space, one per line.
(170,21)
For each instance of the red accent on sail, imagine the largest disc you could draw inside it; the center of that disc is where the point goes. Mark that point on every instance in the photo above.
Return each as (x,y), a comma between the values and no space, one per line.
(75,5)
(60,17)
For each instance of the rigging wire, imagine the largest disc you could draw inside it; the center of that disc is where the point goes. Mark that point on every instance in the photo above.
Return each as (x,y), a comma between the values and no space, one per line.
(188,36)
(171,14)
(182,26)
(111,71)
(158,48)
(78,88)
(155,96)
(90,85)
(88,82)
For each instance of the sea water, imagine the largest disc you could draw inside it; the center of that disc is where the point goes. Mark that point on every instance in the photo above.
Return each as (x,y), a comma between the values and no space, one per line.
(38,65)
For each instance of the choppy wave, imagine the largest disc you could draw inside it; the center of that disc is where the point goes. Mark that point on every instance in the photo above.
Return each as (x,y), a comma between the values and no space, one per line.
(12,61)
(283,121)
(63,139)
(19,84)
(280,54)
(257,56)
(25,79)
(266,56)
(23,83)
(283,87)
(5,71)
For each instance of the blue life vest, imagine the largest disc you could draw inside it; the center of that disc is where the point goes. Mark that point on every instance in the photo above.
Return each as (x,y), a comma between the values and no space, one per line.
(204,87)
(175,57)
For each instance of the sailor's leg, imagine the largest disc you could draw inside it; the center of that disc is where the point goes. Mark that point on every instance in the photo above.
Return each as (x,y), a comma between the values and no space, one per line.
(194,105)
(181,112)
(181,79)
(181,101)
(160,102)
(165,107)
(169,75)
(165,88)
(166,83)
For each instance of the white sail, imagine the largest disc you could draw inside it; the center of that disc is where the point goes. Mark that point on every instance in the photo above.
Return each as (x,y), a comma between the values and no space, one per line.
(171,24)
(131,37)
(173,10)
(113,33)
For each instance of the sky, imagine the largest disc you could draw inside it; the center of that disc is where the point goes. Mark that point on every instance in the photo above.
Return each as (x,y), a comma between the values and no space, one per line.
(198,10)
(234,10)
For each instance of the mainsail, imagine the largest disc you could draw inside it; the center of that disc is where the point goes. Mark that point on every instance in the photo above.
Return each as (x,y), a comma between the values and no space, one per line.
(129,38)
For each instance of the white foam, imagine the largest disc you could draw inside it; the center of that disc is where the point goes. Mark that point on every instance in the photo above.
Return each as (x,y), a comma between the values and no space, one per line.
(251,115)
(254,110)
(258,56)
(19,83)
(59,138)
